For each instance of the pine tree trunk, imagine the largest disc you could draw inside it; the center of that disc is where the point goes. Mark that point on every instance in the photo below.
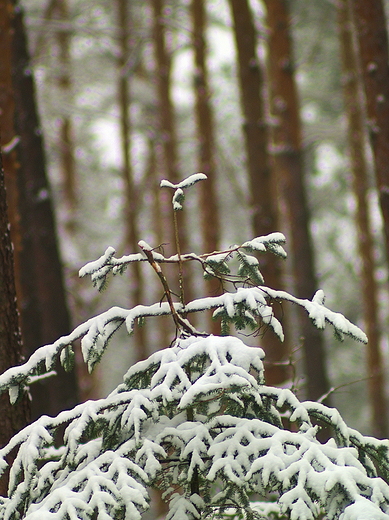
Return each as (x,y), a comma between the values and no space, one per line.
(168,134)
(289,168)
(132,197)
(262,191)
(66,141)
(372,36)
(43,302)
(353,100)
(8,138)
(206,138)
(15,417)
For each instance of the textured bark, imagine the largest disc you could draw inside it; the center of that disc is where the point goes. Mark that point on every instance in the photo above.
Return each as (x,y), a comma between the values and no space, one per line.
(8,139)
(13,418)
(43,301)
(353,100)
(289,167)
(372,36)
(132,197)
(22,241)
(262,202)
(206,147)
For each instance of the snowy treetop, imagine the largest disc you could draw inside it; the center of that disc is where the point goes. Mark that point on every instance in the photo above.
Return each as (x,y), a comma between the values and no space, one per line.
(196,419)
(200,406)
(245,307)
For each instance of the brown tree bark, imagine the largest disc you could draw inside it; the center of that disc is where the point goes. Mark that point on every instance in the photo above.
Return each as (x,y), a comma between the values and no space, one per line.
(132,197)
(10,142)
(45,315)
(168,133)
(288,164)
(8,138)
(13,417)
(372,36)
(353,101)
(262,202)
(205,129)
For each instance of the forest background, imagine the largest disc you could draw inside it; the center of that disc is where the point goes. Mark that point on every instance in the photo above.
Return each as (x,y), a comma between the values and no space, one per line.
(260,97)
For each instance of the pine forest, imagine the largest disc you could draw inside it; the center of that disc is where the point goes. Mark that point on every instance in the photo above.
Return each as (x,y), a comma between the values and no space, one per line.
(194,223)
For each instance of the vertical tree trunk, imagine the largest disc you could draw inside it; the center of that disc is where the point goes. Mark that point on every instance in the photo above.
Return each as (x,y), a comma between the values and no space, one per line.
(65,145)
(258,162)
(13,418)
(372,36)
(289,169)
(43,291)
(167,127)
(132,197)
(8,138)
(206,141)
(353,100)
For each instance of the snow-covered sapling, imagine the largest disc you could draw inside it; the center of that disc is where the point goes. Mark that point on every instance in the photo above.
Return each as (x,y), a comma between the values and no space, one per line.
(195,420)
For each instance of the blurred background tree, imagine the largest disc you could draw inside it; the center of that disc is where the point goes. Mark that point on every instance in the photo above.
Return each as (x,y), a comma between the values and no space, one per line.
(149,90)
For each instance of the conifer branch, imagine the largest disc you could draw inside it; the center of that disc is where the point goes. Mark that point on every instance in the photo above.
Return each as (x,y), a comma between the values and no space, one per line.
(180,323)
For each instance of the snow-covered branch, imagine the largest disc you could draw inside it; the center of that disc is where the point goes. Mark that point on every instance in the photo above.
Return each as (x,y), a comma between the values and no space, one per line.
(107,264)
(115,448)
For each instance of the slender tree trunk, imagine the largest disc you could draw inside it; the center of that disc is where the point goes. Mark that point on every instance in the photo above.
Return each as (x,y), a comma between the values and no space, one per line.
(206,138)
(66,141)
(353,100)
(132,197)
(262,202)
(13,417)
(372,36)
(289,168)
(167,128)
(43,291)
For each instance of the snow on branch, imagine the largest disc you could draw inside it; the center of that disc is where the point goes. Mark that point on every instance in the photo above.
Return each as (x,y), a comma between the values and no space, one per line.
(179,196)
(115,448)
(251,303)
(246,307)
(212,262)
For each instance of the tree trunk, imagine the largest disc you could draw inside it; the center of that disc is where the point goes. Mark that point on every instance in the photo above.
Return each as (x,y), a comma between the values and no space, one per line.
(372,36)
(289,168)
(262,191)
(13,418)
(168,134)
(43,302)
(353,100)
(66,145)
(206,147)
(132,197)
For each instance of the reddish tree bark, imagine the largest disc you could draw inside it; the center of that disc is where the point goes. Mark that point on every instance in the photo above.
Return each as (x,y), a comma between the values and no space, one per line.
(206,146)
(262,202)
(289,168)
(8,138)
(13,418)
(372,36)
(353,101)
(45,315)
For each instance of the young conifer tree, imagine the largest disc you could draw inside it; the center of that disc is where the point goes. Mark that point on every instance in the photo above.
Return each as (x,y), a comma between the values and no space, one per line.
(196,419)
